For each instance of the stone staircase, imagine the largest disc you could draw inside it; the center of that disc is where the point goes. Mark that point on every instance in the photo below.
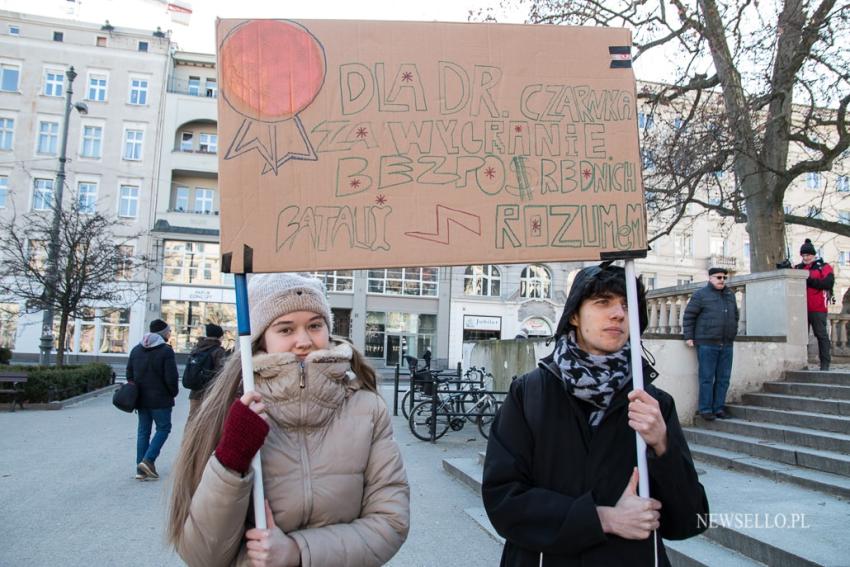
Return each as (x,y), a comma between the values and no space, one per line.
(777,476)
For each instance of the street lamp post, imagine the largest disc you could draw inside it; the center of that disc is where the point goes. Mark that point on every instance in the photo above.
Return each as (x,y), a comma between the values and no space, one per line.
(51,275)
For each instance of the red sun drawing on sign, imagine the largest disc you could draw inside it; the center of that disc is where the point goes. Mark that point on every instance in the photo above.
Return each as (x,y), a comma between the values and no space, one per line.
(271,70)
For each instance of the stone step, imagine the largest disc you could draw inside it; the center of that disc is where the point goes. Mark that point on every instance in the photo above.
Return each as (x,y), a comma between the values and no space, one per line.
(817,377)
(819,391)
(826,461)
(826,483)
(479,515)
(702,552)
(796,403)
(810,420)
(802,436)
(466,470)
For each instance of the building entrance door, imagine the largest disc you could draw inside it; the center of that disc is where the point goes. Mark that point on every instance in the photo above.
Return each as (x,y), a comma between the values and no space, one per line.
(398,346)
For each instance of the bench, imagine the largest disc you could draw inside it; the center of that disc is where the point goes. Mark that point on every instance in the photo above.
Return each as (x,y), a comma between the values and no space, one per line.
(12,383)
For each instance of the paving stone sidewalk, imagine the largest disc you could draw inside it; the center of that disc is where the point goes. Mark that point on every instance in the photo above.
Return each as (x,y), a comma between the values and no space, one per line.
(69,498)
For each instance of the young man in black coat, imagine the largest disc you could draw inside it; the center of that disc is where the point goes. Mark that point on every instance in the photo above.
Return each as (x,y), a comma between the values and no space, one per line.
(560,476)
(154,370)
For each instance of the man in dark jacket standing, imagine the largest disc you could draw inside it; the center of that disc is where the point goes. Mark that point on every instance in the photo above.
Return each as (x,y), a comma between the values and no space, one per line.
(818,287)
(560,477)
(710,323)
(153,368)
(208,346)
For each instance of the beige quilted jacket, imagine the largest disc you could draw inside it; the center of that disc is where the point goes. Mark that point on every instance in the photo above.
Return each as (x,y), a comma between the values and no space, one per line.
(332,472)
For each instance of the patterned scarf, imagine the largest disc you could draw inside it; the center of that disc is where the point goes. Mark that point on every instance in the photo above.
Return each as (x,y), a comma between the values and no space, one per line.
(592,378)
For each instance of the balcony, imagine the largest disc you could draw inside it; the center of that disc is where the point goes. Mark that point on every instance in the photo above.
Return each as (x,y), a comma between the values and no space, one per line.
(177,219)
(204,162)
(185,87)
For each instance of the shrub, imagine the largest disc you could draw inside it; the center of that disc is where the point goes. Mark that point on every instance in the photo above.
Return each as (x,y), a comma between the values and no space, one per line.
(46,384)
(5,355)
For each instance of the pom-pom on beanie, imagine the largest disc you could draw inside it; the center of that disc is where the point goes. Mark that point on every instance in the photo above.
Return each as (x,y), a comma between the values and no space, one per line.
(273,295)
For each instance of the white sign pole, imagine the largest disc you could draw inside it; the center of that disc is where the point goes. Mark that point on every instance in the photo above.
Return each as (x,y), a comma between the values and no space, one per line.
(637,369)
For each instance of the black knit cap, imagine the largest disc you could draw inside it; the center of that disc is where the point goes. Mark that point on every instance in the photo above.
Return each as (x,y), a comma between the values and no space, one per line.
(214,331)
(594,280)
(716,270)
(808,248)
(158,325)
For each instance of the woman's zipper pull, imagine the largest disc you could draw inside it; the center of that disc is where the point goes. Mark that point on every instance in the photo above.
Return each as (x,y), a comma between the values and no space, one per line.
(301,370)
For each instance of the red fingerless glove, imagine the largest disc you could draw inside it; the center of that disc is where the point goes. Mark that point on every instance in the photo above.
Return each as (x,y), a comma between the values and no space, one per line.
(243,435)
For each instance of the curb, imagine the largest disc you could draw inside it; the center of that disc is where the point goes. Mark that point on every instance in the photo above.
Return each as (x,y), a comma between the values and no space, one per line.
(62,403)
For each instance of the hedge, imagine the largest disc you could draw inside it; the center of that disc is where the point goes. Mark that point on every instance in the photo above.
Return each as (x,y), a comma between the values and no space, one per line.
(46,384)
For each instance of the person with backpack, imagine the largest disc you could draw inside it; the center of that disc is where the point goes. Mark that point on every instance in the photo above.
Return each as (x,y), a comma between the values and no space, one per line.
(205,360)
(818,294)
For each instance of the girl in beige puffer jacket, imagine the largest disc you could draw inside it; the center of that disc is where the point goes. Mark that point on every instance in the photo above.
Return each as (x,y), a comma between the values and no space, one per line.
(334,481)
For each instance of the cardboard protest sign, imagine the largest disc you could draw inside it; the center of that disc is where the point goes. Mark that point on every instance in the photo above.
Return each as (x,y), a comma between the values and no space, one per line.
(358,144)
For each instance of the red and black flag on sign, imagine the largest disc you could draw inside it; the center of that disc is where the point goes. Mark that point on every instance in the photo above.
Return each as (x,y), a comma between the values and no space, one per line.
(621,56)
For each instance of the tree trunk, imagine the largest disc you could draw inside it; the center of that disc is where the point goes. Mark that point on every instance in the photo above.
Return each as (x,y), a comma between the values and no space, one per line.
(63,330)
(766,227)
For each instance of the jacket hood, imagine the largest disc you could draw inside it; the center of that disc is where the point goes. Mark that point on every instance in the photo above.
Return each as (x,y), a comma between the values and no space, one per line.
(152,340)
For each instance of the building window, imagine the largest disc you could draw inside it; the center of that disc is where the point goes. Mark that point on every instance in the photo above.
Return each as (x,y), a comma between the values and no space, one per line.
(186,141)
(87,197)
(54,82)
(375,333)
(92,142)
(208,143)
(124,261)
(813,180)
(139,91)
(97,87)
(684,280)
(115,331)
(645,121)
(404,281)
(100,41)
(337,280)
(187,319)
(7,133)
(482,280)
(128,201)
(191,263)
(48,137)
(211,88)
(746,251)
(14,30)
(195,86)
(58,36)
(4,190)
(203,200)
(181,199)
(842,258)
(647,160)
(649,281)
(844,217)
(684,245)
(842,184)
(37,254)
(42,198)
(535,282)
(133,144)
(143,46)
(9,75)
(8,324)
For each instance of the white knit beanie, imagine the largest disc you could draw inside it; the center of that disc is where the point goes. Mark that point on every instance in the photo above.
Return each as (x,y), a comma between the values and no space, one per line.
(273,295)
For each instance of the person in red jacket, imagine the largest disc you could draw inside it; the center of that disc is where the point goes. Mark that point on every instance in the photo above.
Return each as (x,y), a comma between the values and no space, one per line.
(818,288)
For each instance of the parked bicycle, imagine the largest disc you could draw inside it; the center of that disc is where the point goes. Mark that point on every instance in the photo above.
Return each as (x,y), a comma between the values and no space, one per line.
(453,410)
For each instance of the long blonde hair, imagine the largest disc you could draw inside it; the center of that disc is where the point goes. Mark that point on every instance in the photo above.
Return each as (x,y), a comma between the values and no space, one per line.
(203,432)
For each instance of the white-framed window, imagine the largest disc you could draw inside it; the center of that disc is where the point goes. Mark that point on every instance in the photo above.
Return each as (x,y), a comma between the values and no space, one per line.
(203,200)
(746,251)
(181,199)
(684,280)
(337,280)
(133,140)
(535,281)
(87,197)
(10,75)
(92,145)
(124,261)
(115,331)
(54,82)
(187,143)
(814,180)
(48,137)
(42,197)
(649,280)
(684,243)
(97,86)
(211,88)
(195,86)
(14,30)
(7,133)
(138,91)
(404,281)
(128,201)
(482,280)
(4,190)
(37,253)
(842,184)
(208,143)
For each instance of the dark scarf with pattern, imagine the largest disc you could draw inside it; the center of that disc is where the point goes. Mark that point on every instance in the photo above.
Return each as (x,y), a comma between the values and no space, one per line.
(592,378)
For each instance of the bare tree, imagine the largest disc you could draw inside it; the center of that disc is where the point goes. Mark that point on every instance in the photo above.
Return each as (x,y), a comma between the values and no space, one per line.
(96,266)
(758,88)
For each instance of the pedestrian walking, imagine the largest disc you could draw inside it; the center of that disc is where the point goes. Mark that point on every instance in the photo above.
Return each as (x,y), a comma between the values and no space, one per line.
(560,477)
(205,361)
(818,295)
(152,367)
(335,487)
(710,323)
(427,358)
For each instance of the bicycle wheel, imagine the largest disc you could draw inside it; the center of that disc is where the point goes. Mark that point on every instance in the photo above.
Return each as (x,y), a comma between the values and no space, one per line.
(405,404)
(420,421)
(488,406)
